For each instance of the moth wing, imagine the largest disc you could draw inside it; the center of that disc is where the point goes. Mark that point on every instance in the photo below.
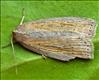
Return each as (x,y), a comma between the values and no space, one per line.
(86,27)
(58,47)
(59,38)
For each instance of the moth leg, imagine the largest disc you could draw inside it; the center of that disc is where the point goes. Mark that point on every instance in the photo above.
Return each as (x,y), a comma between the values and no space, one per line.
(43,56)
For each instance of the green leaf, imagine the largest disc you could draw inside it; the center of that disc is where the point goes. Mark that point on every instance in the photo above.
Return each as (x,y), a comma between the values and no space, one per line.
(31,66)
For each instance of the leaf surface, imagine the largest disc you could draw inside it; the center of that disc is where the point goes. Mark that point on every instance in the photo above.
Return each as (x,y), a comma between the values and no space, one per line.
(30,65)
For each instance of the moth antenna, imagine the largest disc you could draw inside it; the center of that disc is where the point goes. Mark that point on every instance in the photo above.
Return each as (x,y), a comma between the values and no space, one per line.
(22,17)
(16,71)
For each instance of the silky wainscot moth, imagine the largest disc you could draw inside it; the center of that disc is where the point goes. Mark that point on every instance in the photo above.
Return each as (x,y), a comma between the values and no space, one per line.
(59,38)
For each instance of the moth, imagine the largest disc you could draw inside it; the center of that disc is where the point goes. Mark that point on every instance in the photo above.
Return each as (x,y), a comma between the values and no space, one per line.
(62,38)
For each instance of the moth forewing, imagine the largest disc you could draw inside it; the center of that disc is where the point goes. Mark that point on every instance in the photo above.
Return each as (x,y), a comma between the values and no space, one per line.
(59,38)
(85,27)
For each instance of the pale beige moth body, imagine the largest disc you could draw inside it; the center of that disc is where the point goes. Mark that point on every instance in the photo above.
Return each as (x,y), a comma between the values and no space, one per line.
(59,38)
